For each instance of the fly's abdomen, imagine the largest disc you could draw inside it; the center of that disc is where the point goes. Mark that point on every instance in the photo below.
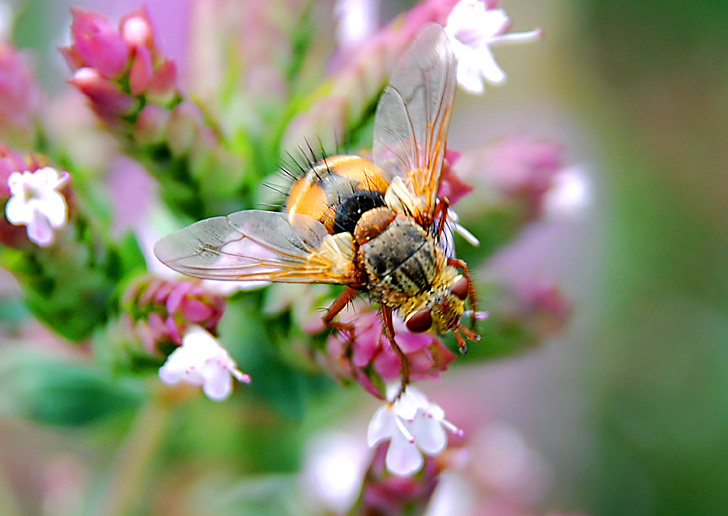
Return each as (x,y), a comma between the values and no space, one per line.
(337,190)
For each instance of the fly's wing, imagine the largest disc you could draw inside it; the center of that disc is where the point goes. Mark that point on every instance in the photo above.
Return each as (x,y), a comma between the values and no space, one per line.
(258,245)
(412,120)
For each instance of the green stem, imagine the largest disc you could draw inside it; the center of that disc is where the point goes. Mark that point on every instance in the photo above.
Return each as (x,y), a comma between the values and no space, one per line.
(127,477)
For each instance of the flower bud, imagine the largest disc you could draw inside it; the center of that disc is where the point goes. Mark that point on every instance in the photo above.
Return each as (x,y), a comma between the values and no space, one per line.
(107,99)
(182,127)
(98,43)
(370,358)
(162,310)
(151,124)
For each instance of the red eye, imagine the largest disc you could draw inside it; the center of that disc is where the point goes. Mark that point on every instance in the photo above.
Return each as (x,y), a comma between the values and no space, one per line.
(460,288)
(420,321)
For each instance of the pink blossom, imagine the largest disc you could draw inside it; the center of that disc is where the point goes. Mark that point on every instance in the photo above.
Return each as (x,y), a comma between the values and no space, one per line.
(516,170)
(168,307)
(372,358)
(98,43)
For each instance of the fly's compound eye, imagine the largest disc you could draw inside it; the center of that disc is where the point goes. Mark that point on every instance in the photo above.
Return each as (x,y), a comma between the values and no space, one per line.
(460,288)
(420,321)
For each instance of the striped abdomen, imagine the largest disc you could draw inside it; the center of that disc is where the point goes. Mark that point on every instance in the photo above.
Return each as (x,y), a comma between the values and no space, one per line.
(337,190)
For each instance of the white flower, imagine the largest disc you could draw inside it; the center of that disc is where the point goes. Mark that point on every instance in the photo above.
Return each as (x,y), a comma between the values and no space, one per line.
(357,20)
(414,426)
(203,362)
(37,204)
(333,471)
(473,30)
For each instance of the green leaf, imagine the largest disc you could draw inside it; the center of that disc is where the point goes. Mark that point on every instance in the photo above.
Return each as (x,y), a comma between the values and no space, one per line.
(58,391)
(251,340)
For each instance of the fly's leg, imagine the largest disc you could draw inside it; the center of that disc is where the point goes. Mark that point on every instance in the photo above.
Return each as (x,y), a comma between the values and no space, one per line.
(472,335)
(338,305)
(440,214)
(389,331)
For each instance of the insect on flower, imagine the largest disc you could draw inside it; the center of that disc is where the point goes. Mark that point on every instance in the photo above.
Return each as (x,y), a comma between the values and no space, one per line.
(376,227)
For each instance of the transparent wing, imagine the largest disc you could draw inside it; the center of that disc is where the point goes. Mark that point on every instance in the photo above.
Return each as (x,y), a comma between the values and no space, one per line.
(413,117)
(258,245)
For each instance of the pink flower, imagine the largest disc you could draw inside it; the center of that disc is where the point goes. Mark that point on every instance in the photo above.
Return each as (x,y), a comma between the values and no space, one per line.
(98,43)
(517,172)
(452,186)
(372,360)
(162,310)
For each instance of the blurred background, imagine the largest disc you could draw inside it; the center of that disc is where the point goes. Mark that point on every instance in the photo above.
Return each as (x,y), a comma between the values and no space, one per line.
(626,412)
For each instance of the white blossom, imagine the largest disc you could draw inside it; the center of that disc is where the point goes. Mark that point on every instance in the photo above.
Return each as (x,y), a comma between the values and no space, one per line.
(36,202)
(357,20)
(473,29)
(413,426)
(203,362)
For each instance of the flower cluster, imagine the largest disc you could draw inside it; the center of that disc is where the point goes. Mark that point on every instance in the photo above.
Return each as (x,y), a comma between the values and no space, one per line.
(162,310)
(132,88)
(370,359)
(115,68)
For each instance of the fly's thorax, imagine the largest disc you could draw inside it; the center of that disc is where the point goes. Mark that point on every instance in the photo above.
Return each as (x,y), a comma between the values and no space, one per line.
(399,257)
(337,190)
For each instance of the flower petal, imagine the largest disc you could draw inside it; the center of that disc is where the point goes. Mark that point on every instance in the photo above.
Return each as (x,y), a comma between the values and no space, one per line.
(219,386)
(381,427)
(39,230)
(469,77)
(17,211)
(430,435)
(53,206)
(403,458)
(489,67)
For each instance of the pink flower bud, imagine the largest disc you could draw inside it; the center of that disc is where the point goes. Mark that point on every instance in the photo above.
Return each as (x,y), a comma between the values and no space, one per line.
(105,96)
(141,70)
(99,43)
(182,127)
(167,308)
(137,29)
(162,86)
(151,124)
